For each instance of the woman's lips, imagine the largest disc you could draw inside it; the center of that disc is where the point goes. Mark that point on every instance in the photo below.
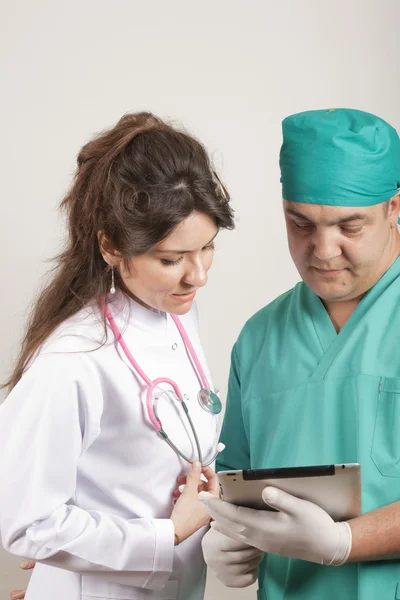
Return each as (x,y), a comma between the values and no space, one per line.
(184,297)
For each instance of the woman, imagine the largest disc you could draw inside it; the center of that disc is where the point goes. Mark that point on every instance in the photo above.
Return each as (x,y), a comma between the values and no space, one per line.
(26,565)
(87,477)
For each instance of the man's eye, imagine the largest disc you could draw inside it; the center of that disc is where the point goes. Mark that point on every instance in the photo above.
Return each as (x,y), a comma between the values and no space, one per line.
(303,226)
(351,230)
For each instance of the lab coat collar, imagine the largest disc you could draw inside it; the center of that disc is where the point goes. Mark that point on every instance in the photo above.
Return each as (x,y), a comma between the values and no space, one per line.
(127,311)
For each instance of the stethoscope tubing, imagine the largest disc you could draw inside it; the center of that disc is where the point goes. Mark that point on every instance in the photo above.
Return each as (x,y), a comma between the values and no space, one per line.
(156,422)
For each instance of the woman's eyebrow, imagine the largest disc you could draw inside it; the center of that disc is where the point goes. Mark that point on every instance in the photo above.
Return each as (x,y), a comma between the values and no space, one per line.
(183,251)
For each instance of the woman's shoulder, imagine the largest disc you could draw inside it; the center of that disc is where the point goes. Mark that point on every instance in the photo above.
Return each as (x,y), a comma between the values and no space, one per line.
(87,332)
(83,332)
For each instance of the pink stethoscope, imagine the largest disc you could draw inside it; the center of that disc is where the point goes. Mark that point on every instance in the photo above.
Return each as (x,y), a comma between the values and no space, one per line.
(208,399)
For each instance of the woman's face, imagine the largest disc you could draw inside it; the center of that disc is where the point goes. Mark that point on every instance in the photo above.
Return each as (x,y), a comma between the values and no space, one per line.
(168,276)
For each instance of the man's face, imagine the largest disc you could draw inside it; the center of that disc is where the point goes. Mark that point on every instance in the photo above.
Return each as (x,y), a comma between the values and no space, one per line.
(341,252)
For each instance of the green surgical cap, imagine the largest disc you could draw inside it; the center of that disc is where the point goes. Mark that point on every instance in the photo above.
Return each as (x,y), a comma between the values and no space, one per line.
(340,157)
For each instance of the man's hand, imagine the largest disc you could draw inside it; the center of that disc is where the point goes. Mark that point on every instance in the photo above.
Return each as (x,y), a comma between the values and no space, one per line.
(300,529)
(234,563)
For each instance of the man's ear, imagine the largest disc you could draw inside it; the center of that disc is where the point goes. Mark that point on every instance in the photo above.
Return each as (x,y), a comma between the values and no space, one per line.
(394,210)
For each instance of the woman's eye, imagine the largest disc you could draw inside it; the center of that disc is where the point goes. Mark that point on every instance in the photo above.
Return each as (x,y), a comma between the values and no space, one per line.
(209,247)
(171,263)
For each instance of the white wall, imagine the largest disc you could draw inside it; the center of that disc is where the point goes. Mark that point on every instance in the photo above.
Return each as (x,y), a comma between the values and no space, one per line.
(230,71)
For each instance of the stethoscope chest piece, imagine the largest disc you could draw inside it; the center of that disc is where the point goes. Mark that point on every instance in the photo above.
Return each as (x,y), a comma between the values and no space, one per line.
(209,401)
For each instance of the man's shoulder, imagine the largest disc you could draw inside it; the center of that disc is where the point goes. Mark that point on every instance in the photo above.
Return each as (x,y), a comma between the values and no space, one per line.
(271,315)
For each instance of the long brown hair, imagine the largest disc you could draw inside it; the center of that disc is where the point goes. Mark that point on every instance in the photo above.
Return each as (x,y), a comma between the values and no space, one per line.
(135,182)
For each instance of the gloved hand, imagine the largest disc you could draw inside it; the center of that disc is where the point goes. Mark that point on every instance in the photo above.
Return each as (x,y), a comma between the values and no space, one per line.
(300,530)
(234,563)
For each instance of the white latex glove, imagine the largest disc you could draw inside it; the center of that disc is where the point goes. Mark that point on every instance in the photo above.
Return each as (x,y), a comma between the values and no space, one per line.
(300,530)
(234,563)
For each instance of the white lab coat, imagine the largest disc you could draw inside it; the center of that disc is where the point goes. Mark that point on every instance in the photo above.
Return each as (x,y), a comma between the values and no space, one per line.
(85,481)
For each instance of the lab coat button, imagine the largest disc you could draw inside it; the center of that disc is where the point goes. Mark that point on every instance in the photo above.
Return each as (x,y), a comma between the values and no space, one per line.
(174,346)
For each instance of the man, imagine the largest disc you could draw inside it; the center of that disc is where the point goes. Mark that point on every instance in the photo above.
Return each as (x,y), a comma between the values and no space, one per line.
(315,375)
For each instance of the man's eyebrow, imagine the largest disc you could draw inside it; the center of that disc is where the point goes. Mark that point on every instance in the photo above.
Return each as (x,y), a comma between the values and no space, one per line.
(159,250)
(353,217)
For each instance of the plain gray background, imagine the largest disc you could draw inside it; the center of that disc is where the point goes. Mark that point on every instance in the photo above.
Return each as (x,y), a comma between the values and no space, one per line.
(229,71)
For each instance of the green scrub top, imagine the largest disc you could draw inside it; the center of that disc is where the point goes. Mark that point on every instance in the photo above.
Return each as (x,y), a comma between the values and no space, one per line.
(301,394)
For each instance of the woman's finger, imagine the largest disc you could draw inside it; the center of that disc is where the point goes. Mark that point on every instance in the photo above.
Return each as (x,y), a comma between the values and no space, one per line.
(27,564)
(193,478)
(212,481)
(203,486)
(17,594)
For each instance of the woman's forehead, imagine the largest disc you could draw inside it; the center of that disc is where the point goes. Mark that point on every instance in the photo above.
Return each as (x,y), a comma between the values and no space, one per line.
(196,230)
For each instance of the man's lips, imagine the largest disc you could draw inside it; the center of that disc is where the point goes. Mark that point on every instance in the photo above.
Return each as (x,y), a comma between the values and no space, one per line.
(327,272)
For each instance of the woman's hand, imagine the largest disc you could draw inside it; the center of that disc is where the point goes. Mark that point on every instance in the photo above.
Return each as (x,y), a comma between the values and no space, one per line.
(211,485)
(188,514)
(20,594)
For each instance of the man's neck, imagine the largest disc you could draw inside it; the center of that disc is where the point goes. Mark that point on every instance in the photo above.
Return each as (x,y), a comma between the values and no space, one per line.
(340,312)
